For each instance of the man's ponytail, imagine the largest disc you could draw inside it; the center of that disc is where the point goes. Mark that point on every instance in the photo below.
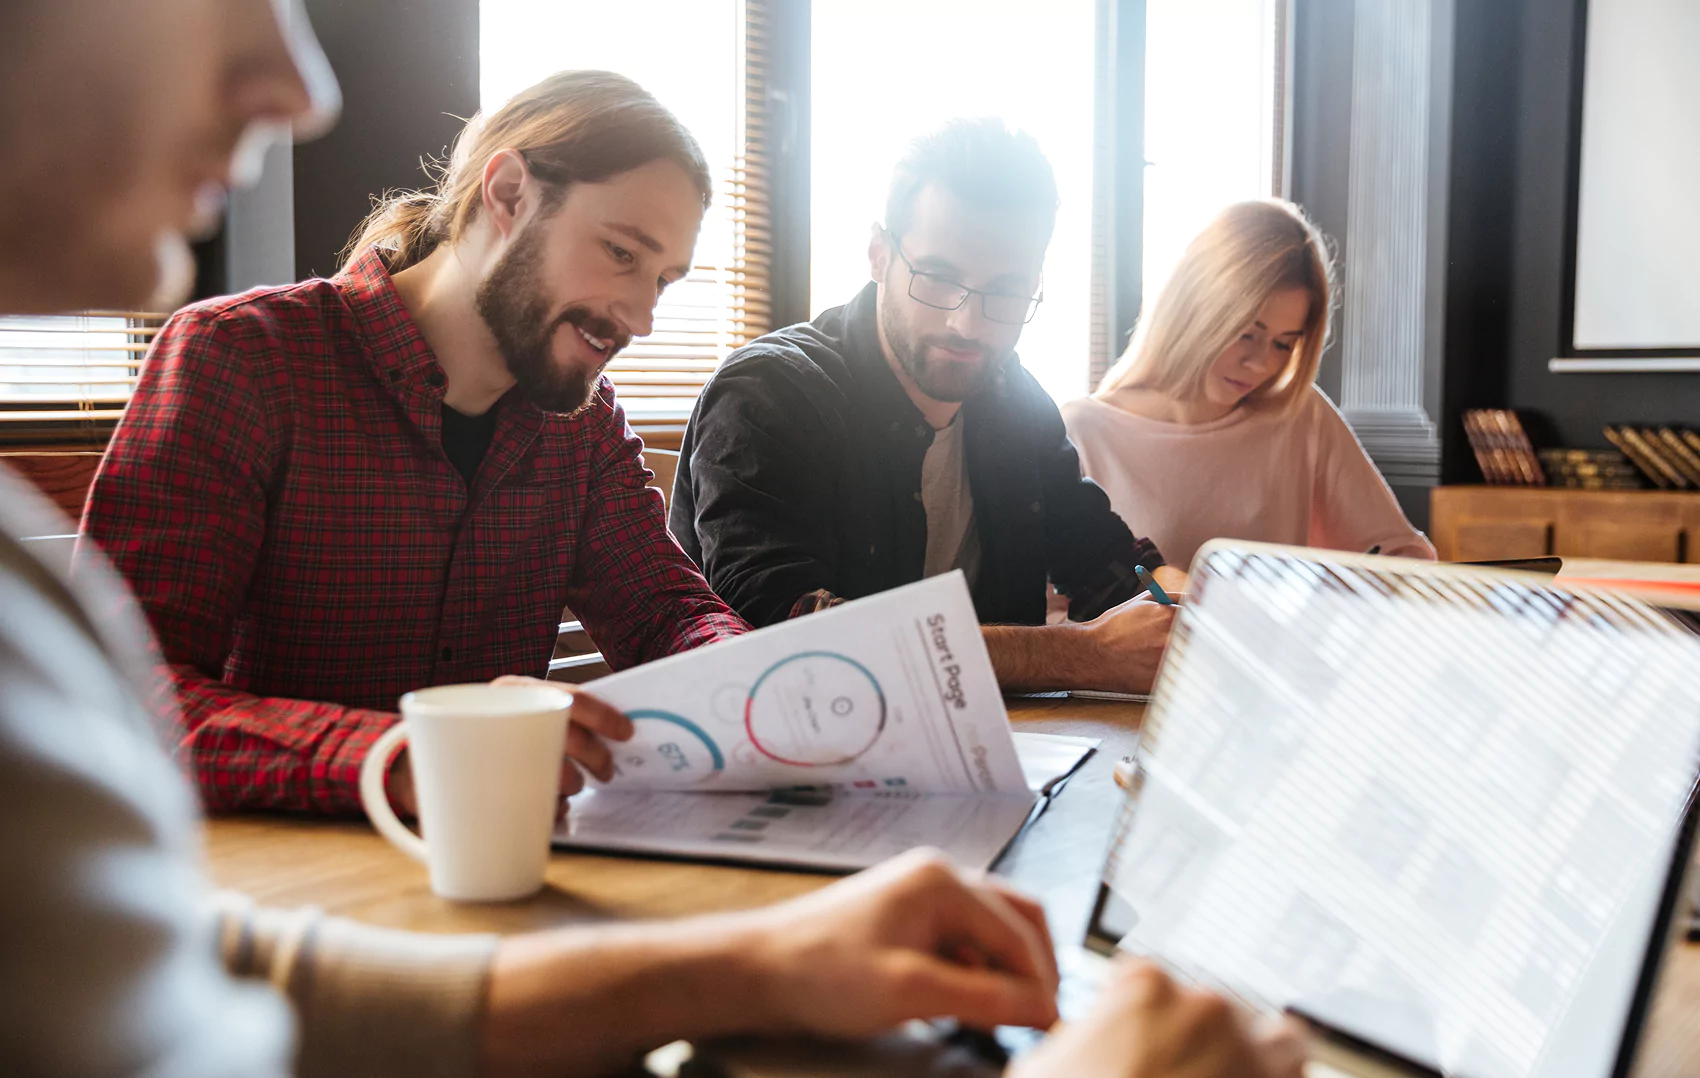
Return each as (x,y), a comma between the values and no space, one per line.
(573,127)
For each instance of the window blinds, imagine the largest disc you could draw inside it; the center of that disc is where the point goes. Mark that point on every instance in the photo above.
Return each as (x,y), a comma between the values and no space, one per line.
(64,379)
(725,301)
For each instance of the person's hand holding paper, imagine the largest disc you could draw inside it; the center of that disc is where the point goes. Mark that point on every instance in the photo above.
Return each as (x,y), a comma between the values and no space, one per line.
(830,741)
(592,721)
(890,692)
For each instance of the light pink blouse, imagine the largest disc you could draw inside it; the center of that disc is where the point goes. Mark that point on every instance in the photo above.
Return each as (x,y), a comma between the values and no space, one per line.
(1302,479)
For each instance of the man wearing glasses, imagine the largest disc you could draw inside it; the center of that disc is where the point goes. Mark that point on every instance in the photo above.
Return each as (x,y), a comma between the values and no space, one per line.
(898,437)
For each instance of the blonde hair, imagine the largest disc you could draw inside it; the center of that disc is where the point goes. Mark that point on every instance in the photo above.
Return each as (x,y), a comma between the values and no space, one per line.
(1248,252)
(573,127)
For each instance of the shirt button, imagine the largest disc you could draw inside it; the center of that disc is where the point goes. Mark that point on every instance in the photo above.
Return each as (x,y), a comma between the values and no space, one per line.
(448,654)
(434,379)
(871,548)
(1035,507)
(922,431)
(915,494)
(894,427)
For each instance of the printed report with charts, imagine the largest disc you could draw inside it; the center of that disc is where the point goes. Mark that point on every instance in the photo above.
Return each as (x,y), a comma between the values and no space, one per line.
(831,742)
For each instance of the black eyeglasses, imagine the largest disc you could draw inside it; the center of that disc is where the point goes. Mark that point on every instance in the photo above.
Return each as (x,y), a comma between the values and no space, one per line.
(944,294)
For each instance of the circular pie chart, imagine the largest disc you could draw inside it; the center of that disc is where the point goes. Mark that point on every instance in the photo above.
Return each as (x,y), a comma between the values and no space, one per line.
(815,709)
(667,750)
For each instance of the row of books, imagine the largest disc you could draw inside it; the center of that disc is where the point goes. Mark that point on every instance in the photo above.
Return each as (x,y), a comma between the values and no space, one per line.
(1502,447)
(1590,469)
(1668,456)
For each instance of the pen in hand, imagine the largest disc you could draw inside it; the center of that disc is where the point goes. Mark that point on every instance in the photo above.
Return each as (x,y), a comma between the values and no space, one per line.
(1151,585)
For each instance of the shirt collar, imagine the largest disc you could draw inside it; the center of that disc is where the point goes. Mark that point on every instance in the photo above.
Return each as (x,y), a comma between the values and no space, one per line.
(394,346)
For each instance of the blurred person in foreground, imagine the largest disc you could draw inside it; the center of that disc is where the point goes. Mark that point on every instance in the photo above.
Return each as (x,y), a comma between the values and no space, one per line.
(119,123)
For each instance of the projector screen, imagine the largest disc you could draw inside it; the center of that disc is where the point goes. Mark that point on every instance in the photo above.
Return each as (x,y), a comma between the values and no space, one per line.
(1637,256)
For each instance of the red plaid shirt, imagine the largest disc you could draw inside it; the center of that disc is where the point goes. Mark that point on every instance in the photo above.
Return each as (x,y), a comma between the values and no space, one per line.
(278,498)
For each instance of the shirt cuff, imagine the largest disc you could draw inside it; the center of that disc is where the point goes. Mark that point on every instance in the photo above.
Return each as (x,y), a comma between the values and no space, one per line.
(1145,553)
(334,783)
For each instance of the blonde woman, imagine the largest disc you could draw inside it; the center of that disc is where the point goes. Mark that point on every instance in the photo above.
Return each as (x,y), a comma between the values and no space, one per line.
(1211,424)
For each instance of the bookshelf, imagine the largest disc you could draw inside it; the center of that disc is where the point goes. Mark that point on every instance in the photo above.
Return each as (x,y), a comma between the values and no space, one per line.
(1477,523)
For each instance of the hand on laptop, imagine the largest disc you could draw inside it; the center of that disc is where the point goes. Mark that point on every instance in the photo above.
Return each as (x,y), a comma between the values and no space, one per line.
(911,938)
(1127,642)
(1144,1025)
(592,721)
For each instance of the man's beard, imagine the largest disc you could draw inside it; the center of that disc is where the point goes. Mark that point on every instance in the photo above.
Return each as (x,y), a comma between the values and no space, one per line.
(518,317)
(943,382)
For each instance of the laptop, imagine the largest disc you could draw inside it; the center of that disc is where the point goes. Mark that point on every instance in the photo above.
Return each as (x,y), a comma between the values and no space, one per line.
(1443,814)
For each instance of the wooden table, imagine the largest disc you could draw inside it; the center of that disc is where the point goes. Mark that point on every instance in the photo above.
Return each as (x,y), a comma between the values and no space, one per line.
(347,869)
(1601,569)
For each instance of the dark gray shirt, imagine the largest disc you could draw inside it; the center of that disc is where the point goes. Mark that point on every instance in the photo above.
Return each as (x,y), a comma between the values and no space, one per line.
(800,477)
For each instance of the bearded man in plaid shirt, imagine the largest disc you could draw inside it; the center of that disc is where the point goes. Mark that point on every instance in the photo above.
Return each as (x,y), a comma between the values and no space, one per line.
(331,493)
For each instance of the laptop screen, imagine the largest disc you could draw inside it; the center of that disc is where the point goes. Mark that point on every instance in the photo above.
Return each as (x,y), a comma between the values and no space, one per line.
(1439,809)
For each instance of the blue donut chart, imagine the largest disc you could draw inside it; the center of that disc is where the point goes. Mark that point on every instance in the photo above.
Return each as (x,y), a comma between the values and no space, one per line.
(688,726)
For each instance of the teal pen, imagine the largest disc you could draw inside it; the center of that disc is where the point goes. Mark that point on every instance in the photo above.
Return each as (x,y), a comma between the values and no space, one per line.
(1152,586)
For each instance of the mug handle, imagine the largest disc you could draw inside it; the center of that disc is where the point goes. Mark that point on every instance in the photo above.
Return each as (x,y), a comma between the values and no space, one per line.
(377,803)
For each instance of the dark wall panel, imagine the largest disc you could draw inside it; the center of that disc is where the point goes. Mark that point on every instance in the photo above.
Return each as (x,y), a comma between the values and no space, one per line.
(1479,238)
(409,75)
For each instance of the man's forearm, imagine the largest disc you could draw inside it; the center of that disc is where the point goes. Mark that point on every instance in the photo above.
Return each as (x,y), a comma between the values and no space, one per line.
(583,1002)
(1038,658)
(254,752)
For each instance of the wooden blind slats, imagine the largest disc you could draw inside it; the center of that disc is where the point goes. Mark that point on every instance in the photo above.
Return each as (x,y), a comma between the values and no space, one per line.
(9,353)
(726,301)
(64,379)
(52,330)
(52,363)
(62,415)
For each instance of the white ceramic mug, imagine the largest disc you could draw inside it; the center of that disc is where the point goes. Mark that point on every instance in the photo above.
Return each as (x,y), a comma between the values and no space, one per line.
(486,763)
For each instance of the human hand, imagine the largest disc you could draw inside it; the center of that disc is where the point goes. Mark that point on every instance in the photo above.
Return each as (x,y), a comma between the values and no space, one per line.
(1144,1025)
(1127,644)
(911,938)
(589,722)
(1172,580)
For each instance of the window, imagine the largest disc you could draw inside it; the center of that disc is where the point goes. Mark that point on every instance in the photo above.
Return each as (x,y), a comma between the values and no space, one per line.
(709,69)
(874,90)
(64,379)
(1211,101)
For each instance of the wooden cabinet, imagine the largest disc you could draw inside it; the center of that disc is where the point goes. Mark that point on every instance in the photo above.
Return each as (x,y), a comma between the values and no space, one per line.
(1484,523)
